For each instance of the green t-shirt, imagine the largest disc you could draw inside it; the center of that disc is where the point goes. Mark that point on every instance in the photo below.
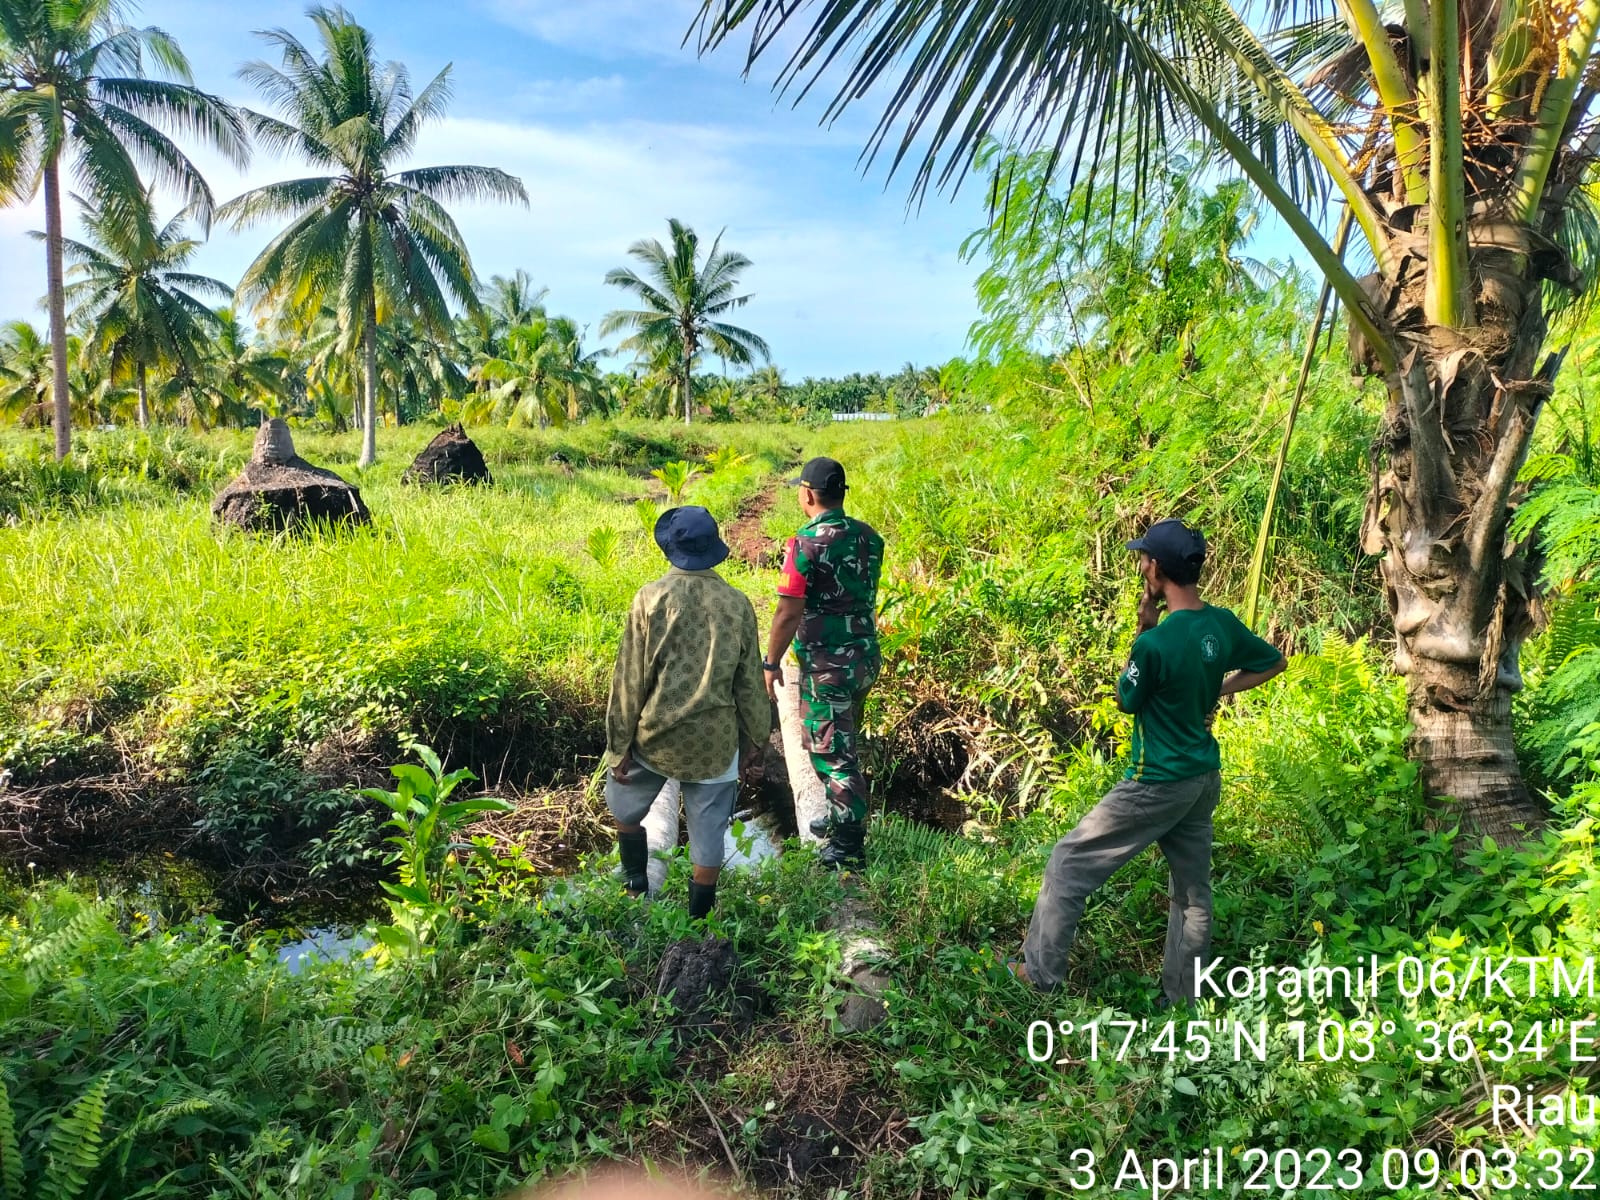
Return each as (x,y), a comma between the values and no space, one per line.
(1172,681)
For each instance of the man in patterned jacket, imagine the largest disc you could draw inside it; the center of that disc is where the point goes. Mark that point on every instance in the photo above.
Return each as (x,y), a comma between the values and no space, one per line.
(685,694)
(827,605)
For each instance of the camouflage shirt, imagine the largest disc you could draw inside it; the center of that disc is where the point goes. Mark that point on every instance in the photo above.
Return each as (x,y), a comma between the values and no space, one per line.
(834,562)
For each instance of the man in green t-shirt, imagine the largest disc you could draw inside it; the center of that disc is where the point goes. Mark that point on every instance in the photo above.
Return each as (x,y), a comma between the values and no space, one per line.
(1179,668)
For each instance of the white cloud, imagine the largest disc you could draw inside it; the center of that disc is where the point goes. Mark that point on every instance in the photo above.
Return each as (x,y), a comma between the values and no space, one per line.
(605,28)
(863,289)
(841,280)
(568,96)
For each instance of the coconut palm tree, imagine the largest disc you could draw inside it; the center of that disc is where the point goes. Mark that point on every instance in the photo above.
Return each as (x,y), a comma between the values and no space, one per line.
(544,376)
(767,383)
(418,370)
(240,379)
(73,87)
(513,300)
(132,293)
(24,369)
(682,301)
(1458,136)
(365,238)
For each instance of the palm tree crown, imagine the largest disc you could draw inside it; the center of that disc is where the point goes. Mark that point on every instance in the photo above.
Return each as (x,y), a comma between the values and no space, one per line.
(544,374)
(240,375)
(681,303)
(365,238)
(73,82)
(132,292)
(24,369)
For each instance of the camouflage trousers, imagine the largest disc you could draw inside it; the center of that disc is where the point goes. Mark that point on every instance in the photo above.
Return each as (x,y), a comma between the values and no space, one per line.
(832,696)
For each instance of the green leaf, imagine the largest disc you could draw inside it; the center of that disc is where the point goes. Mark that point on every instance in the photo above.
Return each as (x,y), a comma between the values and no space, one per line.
(419,781)
(429,759)
(1185,1085)
(490,1138)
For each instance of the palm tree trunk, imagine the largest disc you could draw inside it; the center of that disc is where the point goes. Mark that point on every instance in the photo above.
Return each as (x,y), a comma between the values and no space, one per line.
(1459,422)
(369,402)
(688,383)
(144,400)
(58,308)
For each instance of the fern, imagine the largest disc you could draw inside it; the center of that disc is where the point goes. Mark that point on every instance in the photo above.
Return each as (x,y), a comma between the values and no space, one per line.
(175,1110)
(48,956)
(10,1152)
(76,1145)
(330,1047)
(218,1031)
(1566,701)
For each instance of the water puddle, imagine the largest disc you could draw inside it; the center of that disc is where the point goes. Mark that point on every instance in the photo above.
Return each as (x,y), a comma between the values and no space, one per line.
(333,944)
(755,843)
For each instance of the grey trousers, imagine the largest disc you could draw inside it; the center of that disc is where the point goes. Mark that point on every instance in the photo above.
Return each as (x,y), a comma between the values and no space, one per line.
(708,808)
(1177,817)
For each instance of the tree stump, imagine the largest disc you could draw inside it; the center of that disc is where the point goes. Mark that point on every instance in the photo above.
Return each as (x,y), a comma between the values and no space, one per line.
(810,800)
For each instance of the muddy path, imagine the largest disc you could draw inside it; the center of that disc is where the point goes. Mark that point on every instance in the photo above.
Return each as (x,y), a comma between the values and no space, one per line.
(745,534)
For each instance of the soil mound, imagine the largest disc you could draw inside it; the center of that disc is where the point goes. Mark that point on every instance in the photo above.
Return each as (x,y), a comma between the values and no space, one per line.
(279,490)
(695,973)
(452,457)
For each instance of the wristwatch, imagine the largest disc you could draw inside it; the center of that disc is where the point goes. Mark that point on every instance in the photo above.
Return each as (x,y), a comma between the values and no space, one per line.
(766,666)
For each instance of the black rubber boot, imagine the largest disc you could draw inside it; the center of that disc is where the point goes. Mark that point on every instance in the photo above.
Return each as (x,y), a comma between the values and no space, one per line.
(701,897)
(846,846)
(823,825)
(633,846)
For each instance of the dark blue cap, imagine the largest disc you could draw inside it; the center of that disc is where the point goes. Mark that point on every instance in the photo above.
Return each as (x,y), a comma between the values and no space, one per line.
(1172,543)
(688,537)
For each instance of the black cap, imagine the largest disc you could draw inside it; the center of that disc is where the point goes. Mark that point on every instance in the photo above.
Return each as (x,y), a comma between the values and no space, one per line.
(688,537)
(822,475)
(1172,543)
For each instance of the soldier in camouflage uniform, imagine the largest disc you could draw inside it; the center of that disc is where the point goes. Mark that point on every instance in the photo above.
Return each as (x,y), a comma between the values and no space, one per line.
(827,603)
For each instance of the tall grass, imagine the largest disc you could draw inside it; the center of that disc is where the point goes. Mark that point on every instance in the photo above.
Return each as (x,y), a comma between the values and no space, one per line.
(462,601)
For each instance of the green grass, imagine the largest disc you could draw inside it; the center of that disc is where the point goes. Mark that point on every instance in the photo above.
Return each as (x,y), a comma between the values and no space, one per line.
(454,602)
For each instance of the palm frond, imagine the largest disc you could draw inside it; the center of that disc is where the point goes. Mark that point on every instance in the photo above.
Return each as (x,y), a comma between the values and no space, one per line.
(738,346)
(465,183)
(429,105)
(291,198)
(19,150)
(164,163)
(184,110)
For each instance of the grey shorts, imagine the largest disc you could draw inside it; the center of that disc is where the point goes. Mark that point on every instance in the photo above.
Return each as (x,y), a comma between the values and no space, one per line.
(708,808)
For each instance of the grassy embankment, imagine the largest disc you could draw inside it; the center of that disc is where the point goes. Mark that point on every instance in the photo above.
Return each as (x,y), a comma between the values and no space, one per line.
(250,681)
(529,1041)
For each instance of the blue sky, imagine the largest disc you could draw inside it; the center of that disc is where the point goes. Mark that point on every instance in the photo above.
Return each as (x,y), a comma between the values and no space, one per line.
(613,128)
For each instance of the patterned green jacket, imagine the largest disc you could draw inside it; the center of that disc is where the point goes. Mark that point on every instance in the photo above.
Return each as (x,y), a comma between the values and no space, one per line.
(688,685)
(835,562)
